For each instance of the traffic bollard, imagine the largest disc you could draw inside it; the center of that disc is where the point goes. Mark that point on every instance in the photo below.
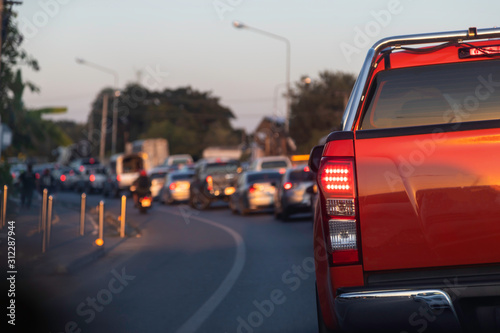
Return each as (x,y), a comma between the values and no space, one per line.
(100,240)
(82,214)
(122,216)
(44,211)
(4,206)
(49,220)
(44,220)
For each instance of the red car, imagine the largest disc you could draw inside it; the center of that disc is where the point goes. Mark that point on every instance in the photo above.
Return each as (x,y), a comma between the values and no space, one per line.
(407,225)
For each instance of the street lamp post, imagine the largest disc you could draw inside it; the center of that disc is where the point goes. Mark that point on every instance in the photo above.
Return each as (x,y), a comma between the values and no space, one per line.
(115,99)
(240,25)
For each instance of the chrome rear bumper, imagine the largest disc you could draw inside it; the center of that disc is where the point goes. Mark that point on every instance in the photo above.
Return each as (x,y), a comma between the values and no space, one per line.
(428,310)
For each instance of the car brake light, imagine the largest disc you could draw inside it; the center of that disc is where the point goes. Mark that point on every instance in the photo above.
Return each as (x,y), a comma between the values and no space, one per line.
(37,175)
(282,170)
(62,178)
(337,183)
(172,186)
(118,178)
(287,186)
(306,169)
(82,168)
(210,183)
(92,178)
(252,189)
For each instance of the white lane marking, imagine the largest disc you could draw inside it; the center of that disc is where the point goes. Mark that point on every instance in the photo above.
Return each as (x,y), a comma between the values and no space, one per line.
(197,319)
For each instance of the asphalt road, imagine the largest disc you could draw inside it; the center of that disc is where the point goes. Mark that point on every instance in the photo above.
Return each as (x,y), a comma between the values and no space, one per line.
(190,271)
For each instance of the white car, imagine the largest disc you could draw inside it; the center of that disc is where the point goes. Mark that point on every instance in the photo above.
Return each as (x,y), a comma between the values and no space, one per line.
(280,163)
(157,176)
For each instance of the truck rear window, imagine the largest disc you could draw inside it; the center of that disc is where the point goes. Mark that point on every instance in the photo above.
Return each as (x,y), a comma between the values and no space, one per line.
(438,94)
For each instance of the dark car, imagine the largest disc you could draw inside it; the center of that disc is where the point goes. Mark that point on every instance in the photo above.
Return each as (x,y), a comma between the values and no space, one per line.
(255,191)
(292,195)
(110,186)
(213,180)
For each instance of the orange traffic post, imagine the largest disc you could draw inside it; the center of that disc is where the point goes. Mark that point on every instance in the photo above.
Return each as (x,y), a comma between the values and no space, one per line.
(4,206)
(49,220)
(82,214)
(100,239)
(122,216)
(44,220)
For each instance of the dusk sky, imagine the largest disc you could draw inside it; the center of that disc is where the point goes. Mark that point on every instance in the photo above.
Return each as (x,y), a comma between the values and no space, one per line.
(176,43)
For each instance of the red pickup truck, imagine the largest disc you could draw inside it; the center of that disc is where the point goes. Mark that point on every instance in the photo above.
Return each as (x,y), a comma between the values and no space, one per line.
(407,224)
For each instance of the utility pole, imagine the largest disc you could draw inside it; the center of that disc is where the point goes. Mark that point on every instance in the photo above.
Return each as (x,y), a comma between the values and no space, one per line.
(103,127)
(1,32)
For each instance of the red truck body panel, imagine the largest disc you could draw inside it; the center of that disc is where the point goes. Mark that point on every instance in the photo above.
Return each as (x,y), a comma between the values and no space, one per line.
(429,200)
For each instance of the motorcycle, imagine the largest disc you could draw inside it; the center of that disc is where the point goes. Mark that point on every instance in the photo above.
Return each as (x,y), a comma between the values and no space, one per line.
(143,202)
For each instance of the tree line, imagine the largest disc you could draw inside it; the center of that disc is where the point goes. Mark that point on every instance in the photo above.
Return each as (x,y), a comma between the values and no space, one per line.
(189,119)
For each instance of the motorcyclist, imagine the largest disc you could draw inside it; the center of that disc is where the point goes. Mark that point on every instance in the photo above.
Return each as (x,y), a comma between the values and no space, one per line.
(142,186)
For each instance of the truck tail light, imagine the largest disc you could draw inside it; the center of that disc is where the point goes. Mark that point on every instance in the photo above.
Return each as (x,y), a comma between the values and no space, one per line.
(287,186)
(210,183)
(336,179)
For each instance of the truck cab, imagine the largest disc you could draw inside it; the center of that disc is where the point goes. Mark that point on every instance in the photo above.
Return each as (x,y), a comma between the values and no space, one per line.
(407,225)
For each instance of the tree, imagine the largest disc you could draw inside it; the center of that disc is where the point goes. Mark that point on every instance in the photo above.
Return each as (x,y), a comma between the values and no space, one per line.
(317,107)
(190,119)
(31,134)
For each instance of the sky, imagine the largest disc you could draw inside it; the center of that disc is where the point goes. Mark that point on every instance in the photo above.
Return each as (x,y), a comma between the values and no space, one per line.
(177,43)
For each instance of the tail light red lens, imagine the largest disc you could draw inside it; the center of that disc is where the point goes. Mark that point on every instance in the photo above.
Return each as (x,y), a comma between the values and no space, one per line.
(336,179)
(62,178)
(172,186)
(92,178)
(118,178)
(252,189)
(37,175)
(287,186)
(210,183)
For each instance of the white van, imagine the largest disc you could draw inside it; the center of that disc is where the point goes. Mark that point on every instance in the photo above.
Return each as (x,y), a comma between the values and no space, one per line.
(126,168)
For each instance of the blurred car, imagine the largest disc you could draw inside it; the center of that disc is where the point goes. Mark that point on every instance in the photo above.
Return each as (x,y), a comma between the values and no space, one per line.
(157,176)
(176,186)
(176,162)
(110,187)
(254,191)
(60,175)
(92,179)
(81,163)
(213,180)
(292,195)
(271,163)
(68,179)
(15,172)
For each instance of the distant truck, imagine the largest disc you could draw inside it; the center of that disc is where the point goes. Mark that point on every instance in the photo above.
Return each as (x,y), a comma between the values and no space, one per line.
(222,152)
(156,151)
